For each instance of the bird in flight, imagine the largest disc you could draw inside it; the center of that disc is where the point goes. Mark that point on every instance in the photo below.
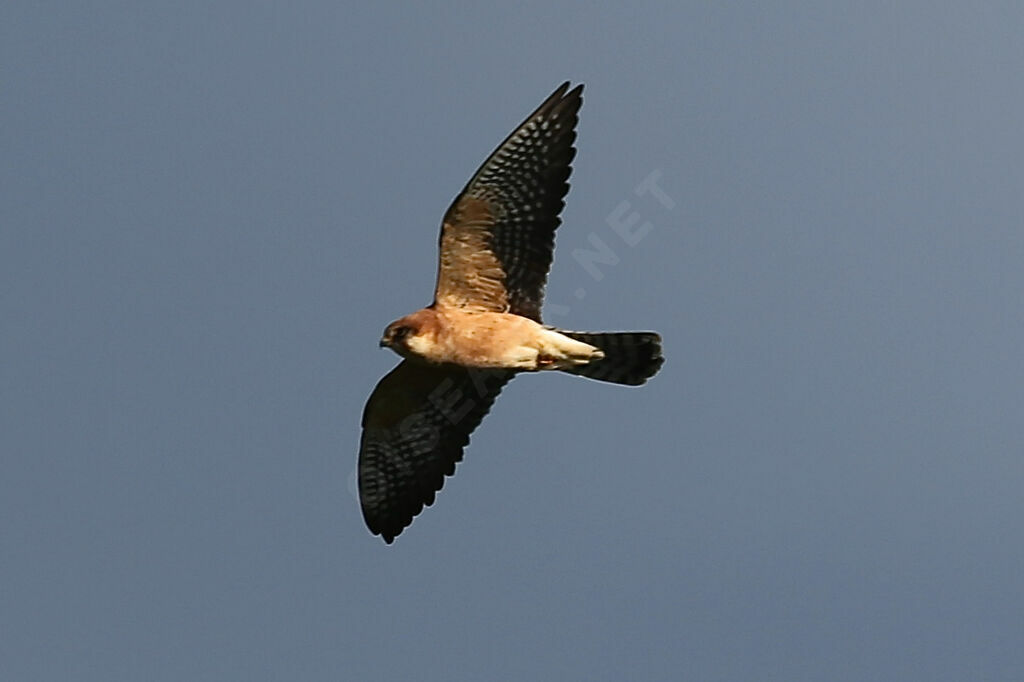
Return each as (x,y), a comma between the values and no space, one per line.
(484,326)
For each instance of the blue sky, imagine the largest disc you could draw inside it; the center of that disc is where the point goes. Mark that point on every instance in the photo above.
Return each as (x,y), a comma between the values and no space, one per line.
(210,212)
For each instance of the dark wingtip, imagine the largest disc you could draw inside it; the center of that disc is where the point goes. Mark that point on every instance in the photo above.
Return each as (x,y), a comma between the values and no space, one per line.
(563,94)
(561,98)
(575,96)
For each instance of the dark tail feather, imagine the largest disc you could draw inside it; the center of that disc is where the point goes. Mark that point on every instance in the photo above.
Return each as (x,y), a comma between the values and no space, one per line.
(630,358)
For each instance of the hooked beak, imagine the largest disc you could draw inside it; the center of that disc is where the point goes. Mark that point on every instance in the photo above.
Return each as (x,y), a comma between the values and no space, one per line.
(383,342)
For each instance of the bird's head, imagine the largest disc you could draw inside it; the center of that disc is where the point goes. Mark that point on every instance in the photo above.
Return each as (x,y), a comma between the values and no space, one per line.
(396,335)
(411,336)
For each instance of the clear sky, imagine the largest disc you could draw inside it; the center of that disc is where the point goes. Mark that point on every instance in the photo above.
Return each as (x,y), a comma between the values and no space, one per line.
(210,211)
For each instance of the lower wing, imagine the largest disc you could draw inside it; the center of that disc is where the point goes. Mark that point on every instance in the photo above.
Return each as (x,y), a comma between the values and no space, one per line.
(415,425)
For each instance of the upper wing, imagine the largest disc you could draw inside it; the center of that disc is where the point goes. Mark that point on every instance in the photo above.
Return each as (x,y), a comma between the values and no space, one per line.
(498,236)
(415,425)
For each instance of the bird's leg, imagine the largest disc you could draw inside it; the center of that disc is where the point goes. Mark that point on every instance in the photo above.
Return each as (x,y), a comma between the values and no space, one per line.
(545,361)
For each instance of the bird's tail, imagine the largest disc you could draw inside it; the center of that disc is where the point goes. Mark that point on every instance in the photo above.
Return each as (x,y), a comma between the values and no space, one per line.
(630,358)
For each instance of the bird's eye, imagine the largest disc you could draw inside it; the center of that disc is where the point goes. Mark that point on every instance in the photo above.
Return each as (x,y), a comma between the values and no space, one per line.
(400,333)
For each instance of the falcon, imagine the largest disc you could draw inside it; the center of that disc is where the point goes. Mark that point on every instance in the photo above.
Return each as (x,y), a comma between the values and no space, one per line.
(484,326)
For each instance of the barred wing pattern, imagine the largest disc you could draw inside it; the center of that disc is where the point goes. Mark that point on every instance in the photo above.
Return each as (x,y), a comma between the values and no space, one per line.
(497,238)
(415,426)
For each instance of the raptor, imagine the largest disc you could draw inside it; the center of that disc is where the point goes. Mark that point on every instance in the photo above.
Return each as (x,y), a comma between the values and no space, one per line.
(484,326)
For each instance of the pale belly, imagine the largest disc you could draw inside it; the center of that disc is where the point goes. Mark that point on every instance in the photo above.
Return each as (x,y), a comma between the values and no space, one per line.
(500,340)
